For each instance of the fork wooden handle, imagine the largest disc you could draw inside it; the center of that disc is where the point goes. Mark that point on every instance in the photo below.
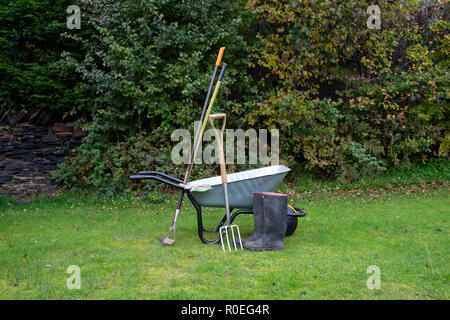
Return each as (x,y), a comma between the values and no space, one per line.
(219,139)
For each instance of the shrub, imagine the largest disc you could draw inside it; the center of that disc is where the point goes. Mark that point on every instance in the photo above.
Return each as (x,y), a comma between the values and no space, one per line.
(145,71)
(30,44)
(350,98)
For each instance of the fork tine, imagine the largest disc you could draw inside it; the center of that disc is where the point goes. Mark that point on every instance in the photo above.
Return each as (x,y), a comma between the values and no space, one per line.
(228,239)
(221,238)
(234,238)
(225,230)
(239,236)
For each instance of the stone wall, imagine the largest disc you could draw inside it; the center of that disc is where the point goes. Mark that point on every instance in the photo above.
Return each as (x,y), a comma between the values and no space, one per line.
(29,152)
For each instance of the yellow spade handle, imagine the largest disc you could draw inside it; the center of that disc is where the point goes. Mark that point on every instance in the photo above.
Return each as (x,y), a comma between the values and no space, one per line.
(208,111)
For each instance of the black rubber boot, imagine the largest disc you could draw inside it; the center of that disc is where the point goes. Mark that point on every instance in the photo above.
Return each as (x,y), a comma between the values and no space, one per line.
(269,213)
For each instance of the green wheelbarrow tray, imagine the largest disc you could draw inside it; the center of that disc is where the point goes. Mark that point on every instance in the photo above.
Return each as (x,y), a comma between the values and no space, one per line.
(240,187)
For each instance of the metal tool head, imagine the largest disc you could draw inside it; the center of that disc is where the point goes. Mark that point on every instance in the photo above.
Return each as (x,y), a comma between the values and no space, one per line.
(225,230)
(166,241)
(201,188)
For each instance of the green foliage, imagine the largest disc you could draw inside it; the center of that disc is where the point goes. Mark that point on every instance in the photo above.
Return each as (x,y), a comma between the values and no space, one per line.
(434,169)
(106,167)
(349,101)
(30,44)
(6,202)
(352,100)
(145,72)
(358,161)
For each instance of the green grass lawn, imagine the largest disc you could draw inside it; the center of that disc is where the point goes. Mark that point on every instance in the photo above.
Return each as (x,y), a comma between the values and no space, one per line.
(114,243)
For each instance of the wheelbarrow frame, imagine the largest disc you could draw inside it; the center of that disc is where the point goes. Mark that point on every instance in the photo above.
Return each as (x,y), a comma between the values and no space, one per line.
(178,184)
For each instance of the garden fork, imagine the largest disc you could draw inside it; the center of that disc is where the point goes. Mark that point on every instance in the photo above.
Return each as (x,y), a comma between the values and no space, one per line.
(223,172)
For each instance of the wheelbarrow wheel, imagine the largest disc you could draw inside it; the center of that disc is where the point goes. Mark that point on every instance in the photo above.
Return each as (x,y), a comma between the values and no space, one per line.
(292,223)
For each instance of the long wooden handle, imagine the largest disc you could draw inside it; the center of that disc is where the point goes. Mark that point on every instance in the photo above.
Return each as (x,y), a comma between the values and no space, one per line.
(219,139)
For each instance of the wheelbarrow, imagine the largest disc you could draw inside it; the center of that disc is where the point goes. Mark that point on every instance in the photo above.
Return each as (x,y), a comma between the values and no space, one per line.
(240,188)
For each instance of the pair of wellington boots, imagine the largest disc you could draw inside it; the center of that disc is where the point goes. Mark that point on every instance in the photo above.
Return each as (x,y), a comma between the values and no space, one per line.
(270,215)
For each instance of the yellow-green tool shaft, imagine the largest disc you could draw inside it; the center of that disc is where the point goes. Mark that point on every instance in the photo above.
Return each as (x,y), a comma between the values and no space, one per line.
(208,111)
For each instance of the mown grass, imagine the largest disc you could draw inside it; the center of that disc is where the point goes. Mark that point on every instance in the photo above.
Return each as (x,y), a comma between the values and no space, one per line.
(114,243)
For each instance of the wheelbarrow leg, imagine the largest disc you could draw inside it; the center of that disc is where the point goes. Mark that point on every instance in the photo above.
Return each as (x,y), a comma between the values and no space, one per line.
(200,228)
(233,216)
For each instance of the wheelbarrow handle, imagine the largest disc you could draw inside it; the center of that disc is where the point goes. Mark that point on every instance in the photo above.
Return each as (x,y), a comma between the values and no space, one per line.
(158,178)
(219,139)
